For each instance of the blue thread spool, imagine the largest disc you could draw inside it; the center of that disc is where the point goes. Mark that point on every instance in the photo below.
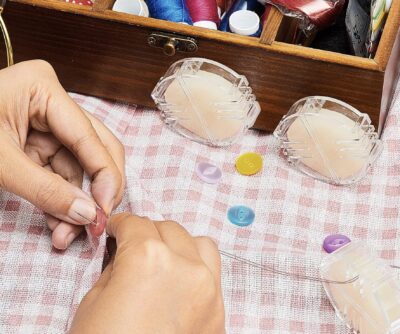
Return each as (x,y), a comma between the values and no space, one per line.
(252,5)
(169,10)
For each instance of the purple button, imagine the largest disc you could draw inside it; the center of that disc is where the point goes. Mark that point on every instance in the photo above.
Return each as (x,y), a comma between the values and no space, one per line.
(208,172)
(334,242)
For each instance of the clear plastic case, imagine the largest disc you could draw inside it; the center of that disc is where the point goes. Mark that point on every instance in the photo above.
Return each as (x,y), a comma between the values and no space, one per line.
(371,304)
(328,139)
(206,101)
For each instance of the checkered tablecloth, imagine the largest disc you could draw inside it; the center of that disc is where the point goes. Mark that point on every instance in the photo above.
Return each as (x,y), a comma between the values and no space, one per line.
(40,287)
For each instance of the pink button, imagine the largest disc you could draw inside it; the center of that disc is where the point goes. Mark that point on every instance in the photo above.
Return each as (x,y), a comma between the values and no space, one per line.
(208,172)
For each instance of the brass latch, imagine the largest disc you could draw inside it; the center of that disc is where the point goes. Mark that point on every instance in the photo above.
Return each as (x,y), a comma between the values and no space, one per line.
(171,43)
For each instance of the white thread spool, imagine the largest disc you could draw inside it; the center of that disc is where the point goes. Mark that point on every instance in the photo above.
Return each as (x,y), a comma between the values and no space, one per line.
(135,7)
(244,22)
(206,24)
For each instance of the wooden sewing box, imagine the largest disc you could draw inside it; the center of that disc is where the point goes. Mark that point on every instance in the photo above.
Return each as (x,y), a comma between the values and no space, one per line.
(99,52)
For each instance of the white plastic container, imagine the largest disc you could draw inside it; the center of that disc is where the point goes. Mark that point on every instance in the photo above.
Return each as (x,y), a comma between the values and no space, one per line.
(244,22)
(328,139)
(135,7)
(206,101)
(369,305)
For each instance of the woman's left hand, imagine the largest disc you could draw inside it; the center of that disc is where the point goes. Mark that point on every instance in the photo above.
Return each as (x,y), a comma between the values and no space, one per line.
(46,142)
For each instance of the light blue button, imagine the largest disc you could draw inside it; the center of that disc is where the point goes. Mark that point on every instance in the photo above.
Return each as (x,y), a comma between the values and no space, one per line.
(241,215)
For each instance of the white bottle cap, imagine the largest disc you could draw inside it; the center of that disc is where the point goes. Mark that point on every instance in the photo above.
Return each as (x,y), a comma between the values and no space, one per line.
(244,22)
(206,24)
(135,7)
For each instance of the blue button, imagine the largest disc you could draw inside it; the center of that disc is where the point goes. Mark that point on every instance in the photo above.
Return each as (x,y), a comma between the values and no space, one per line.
(241,215)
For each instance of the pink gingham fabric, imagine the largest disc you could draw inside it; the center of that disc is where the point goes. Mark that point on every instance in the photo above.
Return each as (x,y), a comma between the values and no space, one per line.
(40,288)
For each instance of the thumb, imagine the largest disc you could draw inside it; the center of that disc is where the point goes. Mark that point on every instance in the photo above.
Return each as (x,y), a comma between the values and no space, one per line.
(46,190)
(105,188)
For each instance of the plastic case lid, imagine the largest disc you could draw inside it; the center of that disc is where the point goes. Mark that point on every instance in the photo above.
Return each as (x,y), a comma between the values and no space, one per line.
(206,101)
(328,139)
(371,304)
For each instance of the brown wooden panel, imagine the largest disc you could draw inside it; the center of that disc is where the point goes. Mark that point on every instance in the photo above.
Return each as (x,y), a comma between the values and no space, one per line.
(388,36)
(111,59)
(209,34)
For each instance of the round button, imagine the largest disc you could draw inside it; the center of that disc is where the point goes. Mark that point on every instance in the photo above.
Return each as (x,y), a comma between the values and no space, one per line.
(249,163)
(334,242)
(241,215)
(208,172)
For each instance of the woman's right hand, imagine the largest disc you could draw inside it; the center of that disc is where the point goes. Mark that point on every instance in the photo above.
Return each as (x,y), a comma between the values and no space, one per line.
(161,280)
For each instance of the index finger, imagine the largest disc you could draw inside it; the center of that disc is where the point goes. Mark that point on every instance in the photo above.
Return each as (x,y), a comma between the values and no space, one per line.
(73,128)
(52,109)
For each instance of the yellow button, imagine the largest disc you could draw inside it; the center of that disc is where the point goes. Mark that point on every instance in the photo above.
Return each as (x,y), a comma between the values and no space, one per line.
(249,163)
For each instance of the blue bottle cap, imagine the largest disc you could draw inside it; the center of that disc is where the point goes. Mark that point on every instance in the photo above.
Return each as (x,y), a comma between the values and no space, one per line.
(241,215)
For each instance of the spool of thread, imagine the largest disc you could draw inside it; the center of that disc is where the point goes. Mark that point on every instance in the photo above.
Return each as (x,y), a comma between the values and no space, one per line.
(245,23)
(251,5)
(169,10)
(204,13)
(135,7)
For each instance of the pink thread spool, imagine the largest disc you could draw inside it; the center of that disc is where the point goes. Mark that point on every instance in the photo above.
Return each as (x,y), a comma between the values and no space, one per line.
(204,13)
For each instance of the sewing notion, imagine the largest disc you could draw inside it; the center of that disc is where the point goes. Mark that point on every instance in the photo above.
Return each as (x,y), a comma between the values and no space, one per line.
(371,304)
(249,163)
(329,140)
(241,215)
(206,101)
(208,173)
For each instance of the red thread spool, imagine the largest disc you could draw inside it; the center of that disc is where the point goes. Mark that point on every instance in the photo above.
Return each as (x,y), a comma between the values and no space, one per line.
(321,13)
(203,11)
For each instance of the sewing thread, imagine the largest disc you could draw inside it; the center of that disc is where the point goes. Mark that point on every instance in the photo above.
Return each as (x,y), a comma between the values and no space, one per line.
(169,10)
(284,273)
(203,10)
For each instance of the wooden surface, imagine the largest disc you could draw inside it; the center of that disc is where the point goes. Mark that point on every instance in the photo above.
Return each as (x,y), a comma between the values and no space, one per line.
(102,5)
(391,78)
(106,54)
(271,26)
(388,37)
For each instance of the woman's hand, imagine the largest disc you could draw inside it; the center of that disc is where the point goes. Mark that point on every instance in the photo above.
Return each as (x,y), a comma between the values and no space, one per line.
(161,280)
(46,142)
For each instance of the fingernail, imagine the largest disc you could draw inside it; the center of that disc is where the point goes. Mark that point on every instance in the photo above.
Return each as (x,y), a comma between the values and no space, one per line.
(82,211)
(68,240)
(109,208)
